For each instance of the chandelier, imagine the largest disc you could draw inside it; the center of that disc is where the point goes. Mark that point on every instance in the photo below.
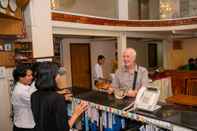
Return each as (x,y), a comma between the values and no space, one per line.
(166,9)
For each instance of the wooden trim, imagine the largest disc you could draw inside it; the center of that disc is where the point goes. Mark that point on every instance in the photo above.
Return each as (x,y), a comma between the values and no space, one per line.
(129,23)
(90,69)
(10,27)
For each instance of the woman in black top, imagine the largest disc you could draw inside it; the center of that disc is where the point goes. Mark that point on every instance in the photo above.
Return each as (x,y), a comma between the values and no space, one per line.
(49,107)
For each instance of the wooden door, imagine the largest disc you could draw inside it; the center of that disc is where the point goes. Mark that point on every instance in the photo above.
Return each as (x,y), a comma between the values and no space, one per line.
(80,65)
(152,55)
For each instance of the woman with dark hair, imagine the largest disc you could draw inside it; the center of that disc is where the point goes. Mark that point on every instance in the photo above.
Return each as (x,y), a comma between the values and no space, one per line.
(34,67)
(23,118)
(48,106)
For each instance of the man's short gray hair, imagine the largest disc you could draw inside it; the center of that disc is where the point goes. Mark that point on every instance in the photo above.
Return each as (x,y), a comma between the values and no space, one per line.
(132,51)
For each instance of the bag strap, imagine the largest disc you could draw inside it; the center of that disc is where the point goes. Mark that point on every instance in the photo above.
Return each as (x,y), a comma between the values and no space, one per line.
(135,79)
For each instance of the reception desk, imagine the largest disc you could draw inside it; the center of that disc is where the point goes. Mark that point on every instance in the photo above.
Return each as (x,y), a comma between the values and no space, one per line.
(183,82)
(185,100)
(170,117)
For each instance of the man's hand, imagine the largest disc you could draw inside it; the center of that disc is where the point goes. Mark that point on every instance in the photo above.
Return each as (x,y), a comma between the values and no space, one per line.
(131,93)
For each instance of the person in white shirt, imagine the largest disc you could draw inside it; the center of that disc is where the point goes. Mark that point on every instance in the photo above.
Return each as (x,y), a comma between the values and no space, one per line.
(21,98)
(98,71)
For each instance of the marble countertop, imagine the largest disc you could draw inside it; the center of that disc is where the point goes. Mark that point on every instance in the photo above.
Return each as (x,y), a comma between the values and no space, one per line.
(173,114)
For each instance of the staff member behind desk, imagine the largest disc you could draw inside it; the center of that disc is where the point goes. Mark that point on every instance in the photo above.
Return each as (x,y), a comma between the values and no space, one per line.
(98,71)
(23,118)
(48,106)
(130,77)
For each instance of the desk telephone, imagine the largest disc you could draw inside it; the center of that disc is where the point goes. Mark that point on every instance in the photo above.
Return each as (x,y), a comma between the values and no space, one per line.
(146,99)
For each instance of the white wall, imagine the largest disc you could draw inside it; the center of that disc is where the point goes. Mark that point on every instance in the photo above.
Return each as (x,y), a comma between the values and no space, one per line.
(174,58)
(189,48)
(39,27)
(107,48)
(5,107)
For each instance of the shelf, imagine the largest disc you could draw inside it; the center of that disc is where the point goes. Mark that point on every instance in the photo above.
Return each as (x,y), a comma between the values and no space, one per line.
(7,58)
(2,15)
(26,51)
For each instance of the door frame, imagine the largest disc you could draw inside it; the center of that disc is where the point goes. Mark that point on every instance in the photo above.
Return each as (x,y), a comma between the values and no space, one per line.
(90,70)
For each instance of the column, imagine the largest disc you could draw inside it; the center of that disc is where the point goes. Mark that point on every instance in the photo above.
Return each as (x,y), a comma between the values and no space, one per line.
(122,45)
(123,9)
(39,27)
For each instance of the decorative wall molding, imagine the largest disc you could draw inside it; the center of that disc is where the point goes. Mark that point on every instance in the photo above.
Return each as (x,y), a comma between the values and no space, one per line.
(129,23)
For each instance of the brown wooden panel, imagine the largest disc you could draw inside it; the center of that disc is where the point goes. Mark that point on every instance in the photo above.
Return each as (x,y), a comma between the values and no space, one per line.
(11,27)
(80,65)
(7,58)
(179,84)
(11,23)
(130,23)
(192,87)
(183,100)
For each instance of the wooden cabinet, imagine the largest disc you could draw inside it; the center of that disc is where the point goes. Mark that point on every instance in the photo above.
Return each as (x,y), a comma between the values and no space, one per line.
(6,53)
(23,52)
(7,58)
(17,52)
(183,82)
(25,48)
(192,87)
(11,23)
(11,28)
(11,17)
